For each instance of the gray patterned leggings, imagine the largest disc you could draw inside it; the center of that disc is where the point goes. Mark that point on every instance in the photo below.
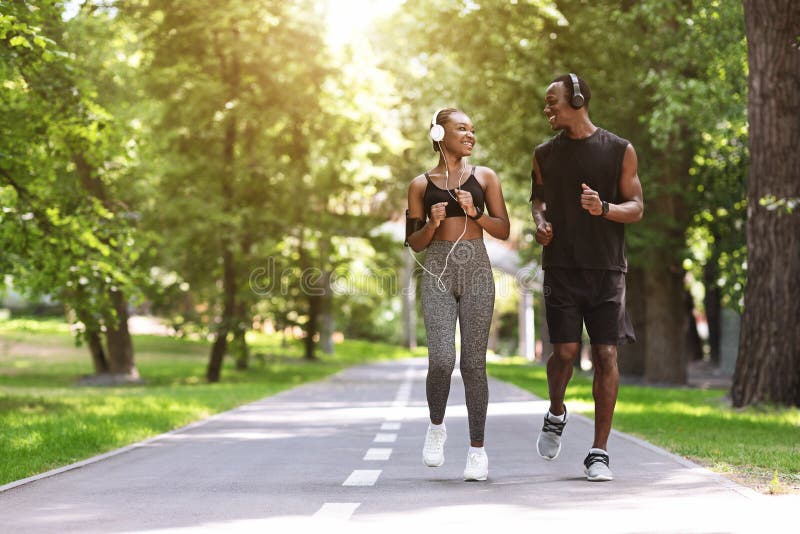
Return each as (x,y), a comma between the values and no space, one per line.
(469,297)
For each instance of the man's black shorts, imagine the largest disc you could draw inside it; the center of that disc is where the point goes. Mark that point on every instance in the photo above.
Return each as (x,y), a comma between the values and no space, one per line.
(593,296)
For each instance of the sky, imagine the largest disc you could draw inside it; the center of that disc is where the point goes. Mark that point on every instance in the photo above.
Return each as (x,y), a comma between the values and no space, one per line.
(348,19)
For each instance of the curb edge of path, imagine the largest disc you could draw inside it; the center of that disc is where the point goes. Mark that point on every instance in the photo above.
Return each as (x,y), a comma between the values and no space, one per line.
(114,452)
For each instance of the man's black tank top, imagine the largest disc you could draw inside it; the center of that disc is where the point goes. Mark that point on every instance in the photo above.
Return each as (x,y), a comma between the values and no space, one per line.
(581,240)
(434,195)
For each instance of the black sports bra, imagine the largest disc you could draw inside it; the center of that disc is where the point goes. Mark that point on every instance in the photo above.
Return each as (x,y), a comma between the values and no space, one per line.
(435,194)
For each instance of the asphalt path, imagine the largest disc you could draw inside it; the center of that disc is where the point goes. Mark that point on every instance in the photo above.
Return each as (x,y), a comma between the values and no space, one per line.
(344,455)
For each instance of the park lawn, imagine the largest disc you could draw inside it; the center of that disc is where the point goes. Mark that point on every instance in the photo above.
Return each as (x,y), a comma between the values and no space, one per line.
(48,422)
(759,447)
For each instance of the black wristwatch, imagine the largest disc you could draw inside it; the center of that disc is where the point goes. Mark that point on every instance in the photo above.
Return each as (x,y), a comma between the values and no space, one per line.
(605,209)
(478,214)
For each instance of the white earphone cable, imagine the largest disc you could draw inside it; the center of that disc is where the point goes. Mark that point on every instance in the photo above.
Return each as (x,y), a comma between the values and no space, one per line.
(439,282)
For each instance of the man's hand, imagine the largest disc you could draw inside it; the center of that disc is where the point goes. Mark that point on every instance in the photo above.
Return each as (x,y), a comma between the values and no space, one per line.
(544,233)
(590,200)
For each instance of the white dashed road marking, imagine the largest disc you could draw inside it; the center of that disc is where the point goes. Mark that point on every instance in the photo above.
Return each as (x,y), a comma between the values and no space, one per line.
(385,438)
(378,454)
(368,477)
(337,510)
(363,477)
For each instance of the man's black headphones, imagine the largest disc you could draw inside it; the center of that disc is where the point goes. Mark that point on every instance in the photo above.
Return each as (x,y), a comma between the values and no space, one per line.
(577,99)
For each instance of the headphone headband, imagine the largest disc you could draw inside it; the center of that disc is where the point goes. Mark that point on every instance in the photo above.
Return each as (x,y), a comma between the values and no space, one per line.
(436,115)
(577,99)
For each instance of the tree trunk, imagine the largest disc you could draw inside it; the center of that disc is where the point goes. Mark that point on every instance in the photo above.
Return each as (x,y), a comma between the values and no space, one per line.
(632,357)
(312,326)
(326,315)
(665,358)
(228,318)
(118,338)
(93,339)
(694,345)
(240,349)
(214,369)
(311,288)
(667,324)
(229,71)
(768,365)
(120,345)
(97,351)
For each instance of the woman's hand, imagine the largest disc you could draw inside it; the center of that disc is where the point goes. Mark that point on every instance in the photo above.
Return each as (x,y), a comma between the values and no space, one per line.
(437,214)
(465,201)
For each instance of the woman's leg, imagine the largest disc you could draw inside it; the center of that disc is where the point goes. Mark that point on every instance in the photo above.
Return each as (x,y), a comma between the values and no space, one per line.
(439,309)
(475,317)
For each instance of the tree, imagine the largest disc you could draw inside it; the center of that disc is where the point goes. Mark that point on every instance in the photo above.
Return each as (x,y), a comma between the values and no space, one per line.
(266,155)
(70,234)
(768,366)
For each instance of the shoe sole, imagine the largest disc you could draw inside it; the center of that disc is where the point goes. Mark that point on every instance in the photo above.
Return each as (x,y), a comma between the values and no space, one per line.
(474,479)
(599,478)
(440,464)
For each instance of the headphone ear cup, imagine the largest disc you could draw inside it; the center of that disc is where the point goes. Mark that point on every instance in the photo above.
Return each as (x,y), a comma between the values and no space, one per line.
(437,132)
(577,99)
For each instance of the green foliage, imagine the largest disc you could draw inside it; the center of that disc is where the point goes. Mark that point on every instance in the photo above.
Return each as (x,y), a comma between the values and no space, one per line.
(150,145)
(64,231)
(260,156)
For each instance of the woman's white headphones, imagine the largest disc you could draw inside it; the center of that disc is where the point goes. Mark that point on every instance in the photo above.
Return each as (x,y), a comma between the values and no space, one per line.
(437,130)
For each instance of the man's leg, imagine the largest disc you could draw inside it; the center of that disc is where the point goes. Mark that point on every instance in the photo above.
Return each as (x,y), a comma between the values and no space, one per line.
(604,390)
(559,373)
(564,323)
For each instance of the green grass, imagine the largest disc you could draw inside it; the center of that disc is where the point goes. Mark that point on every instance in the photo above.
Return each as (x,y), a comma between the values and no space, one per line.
(753,445)
(48,421)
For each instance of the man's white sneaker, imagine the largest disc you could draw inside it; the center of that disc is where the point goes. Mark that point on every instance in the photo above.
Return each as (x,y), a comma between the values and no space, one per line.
(433,451)
(596,466)
(549,442)
(477,465)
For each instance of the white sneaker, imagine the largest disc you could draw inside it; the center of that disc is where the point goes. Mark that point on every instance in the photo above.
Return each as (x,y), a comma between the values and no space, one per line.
(596,466)
(549,442)
(477,465)
(433,451)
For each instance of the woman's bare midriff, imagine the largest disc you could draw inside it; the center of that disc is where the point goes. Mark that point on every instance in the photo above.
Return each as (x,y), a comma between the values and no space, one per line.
(451,227)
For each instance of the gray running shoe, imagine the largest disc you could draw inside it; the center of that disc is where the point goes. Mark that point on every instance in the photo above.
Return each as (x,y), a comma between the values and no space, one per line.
(549,442)
(596,466)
